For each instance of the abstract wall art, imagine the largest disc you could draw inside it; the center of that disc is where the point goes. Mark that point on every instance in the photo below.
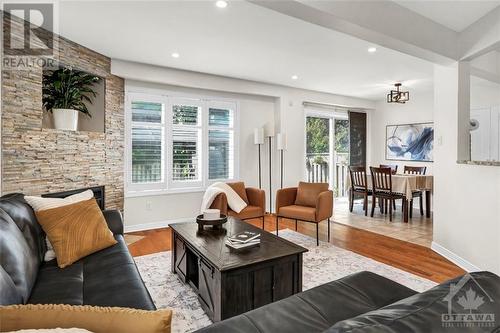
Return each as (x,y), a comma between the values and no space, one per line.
(410,142)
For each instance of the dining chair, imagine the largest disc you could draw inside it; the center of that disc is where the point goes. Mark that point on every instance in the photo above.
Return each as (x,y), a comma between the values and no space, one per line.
(394,169)
(416,170)
(382,188)
(359,185)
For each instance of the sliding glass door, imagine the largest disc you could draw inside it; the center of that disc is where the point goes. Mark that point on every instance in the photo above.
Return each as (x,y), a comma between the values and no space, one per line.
(318,149)
(341,155)
(327,149)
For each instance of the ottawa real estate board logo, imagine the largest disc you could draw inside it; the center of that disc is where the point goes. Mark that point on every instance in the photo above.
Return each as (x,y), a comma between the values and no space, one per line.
(28,35)
(469,305)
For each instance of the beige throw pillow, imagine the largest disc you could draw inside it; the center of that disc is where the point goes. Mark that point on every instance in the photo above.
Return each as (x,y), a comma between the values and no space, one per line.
(39,203)
(75,230)
(92,318)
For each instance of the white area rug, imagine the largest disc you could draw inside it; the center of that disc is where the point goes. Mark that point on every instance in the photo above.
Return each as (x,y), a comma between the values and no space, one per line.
(321,264)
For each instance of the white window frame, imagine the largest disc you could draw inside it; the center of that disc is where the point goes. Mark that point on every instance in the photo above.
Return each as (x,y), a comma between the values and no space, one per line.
(331,115)
(195,183)
(128,151)
(222,105)
(169,98)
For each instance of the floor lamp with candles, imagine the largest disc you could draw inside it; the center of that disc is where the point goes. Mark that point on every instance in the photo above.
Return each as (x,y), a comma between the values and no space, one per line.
(281,145)
(258,139)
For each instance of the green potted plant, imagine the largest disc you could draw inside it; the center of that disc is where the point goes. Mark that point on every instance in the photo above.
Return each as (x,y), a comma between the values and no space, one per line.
(64,94)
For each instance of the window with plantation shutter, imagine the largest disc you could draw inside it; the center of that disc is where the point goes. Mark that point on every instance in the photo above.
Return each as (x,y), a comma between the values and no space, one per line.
(146,155)
(147,142)
(178,144)
(185,155)
(185,114)
(220,141)
(186,147)
(147,112)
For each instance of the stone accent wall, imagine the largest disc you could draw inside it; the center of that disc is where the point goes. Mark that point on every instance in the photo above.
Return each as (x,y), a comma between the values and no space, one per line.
(36,160)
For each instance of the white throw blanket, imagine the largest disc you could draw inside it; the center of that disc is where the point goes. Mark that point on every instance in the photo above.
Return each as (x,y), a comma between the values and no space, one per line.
(234,201)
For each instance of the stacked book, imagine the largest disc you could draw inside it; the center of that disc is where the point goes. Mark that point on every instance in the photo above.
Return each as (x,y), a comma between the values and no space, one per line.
(243,240)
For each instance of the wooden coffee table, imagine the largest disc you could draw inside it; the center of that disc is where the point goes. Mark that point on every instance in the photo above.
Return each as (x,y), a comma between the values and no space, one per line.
(231,282)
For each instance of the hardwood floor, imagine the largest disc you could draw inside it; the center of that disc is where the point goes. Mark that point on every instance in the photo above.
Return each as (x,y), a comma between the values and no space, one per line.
(409,257)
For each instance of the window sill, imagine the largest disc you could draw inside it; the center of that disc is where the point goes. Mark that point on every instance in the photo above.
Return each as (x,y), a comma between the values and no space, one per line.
(150,193)
(485,163)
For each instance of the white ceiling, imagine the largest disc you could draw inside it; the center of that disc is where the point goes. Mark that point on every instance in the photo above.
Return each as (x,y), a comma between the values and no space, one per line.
(455,15)
(243,41)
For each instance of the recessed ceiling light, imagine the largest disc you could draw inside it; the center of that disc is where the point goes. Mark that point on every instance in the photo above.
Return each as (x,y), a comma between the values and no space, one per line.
(294,77)
(221,4)
(175,55)
(372,49)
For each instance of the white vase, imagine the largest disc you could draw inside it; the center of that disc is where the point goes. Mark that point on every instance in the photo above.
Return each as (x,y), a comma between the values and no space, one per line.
(65,119)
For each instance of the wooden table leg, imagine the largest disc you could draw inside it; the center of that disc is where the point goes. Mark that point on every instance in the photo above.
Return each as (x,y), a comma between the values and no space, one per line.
(174,252)
(405,210)
(428,204)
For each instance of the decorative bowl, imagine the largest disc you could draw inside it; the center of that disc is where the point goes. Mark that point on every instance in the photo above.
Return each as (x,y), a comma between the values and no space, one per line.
(216,224)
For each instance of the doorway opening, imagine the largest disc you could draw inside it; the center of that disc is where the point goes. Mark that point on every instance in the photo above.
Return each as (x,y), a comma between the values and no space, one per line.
(327,149)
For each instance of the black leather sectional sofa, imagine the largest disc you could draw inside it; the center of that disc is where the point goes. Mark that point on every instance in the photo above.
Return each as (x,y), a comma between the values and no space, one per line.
(366,302)
(105,278)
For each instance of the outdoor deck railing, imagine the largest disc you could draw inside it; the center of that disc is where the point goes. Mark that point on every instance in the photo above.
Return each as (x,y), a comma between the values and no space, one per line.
(318,171)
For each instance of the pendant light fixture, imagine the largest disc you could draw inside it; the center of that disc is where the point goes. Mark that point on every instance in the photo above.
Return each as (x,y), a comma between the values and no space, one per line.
(398,96)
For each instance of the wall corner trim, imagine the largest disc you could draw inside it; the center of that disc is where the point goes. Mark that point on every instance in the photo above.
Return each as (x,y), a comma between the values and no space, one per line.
(454,258)
(155,225)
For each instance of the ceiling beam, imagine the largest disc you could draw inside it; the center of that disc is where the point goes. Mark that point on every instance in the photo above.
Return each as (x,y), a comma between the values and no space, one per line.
(383,23)
(481,37)
(485,75)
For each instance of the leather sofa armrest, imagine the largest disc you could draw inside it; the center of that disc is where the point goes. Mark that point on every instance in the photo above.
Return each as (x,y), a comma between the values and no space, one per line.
(114,220)
(285,197)
(324,205)
(256,197)
(220,203)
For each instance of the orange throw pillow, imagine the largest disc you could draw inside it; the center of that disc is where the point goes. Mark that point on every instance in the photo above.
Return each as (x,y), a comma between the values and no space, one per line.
(239,188)
(75,230)
(93,318)
(307,193)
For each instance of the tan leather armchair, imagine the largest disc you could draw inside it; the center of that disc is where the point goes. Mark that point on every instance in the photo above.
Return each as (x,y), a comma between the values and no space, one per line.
(309,202)
(255,199)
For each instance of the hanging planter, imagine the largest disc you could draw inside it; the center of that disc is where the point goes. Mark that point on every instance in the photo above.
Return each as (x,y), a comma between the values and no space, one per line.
(65,92)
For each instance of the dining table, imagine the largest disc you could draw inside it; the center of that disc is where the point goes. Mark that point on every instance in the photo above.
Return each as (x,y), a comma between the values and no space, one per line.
(406,184)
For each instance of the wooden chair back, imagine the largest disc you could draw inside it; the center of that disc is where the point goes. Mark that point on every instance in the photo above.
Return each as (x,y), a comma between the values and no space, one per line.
(381,179)
(358,178)
(415,170)
(394,167)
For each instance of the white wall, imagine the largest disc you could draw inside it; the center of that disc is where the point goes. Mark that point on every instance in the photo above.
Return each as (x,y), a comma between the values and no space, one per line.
(420,109)
(485,108)
(466,197)
(260,103)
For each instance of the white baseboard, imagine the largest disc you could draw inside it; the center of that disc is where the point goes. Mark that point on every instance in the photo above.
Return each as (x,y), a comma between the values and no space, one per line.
(454,258)
(154,225)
